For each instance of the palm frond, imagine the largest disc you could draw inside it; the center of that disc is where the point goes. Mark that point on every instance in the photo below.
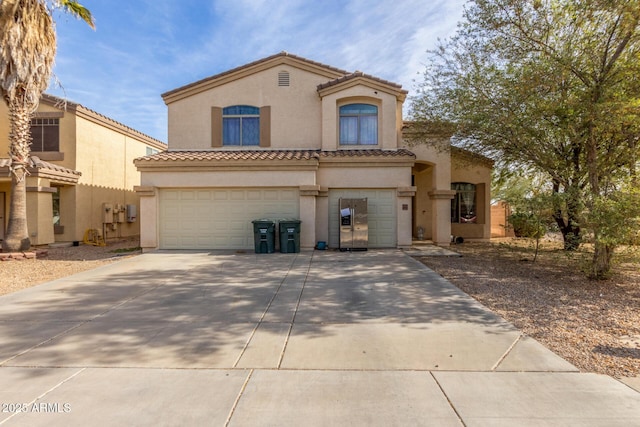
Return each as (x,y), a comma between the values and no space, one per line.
(77,10)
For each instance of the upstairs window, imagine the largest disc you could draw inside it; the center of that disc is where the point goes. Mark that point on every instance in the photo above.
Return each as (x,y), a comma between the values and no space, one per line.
(45,134)
(241,125)
(359,124)
(463,205)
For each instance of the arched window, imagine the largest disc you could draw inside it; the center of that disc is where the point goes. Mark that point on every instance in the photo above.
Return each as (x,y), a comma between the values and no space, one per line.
(358,124)
(463,205)
(241,125)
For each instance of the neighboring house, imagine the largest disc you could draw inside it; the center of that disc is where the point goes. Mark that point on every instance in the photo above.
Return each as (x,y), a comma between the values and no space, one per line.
(287,137)
(81,176)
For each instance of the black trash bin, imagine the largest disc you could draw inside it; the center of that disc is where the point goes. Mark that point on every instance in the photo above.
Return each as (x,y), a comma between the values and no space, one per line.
(289,235)
(264,231)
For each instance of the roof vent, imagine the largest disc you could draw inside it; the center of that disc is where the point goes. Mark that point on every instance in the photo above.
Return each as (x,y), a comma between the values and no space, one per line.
(283,78)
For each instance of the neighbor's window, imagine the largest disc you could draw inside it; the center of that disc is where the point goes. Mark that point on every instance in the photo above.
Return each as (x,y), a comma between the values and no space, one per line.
(151,151)
(463,205)
(45,134)
(241,125)
(358,124)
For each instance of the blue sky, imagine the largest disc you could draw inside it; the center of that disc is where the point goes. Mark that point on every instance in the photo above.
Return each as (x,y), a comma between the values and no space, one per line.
(143,48)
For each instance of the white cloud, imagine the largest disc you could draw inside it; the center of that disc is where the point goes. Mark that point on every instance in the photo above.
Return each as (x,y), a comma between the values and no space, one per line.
(145,48)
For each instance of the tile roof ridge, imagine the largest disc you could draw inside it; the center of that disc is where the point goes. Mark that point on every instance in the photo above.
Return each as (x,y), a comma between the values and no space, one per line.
(356,74)
(63,103)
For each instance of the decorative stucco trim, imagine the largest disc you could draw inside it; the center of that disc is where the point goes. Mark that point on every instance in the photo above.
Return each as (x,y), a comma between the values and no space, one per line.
(48,114)
(145,191)
(50,155)
(407,191)
(40,189)
(442,194)
(309,190)
(361,79)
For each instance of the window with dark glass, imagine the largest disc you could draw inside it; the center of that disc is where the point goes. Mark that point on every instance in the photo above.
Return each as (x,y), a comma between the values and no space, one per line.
(56,206)
(45,134)
(463,205)
(359,124)
(241,125)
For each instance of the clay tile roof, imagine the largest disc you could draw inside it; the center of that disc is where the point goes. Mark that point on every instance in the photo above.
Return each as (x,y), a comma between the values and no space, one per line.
(239,155)
(36,163)
(41,164)
(357,74)
(368,153)
(222,155)
(64,104)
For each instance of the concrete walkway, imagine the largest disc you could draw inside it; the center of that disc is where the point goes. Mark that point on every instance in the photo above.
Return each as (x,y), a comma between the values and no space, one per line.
(317,338)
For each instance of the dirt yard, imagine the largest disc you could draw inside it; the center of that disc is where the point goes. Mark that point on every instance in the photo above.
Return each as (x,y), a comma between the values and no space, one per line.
(60,262)
(593,324)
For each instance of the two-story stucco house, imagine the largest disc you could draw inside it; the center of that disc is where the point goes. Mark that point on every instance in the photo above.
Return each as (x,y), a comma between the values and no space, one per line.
(288,137)
(81,164)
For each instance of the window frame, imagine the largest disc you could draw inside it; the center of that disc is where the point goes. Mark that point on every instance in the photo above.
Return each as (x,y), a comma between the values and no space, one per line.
(460,213)
(229,115)
(360,117)
(40,139)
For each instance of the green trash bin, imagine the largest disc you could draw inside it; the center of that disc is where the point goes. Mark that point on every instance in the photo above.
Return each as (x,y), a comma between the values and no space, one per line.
(264,236)
(289,236)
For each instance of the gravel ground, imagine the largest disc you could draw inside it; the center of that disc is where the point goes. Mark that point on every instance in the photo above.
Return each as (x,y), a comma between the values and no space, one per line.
(61,262)
(594,325)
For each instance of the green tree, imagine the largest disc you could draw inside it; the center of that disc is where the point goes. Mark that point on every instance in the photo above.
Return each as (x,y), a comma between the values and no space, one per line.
(551,85)
(27,53)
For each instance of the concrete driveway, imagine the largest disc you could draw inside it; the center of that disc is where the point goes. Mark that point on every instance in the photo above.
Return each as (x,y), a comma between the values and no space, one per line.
(317,338)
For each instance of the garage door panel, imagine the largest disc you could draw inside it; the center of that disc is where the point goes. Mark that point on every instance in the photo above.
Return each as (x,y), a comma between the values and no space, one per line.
(220,218)
(381,215)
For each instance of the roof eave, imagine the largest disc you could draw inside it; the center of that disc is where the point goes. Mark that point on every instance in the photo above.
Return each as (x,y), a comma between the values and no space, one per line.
(391,89)
(249,69)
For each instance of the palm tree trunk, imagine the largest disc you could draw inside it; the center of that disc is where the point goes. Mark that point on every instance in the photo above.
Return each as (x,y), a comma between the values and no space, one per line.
(17,238)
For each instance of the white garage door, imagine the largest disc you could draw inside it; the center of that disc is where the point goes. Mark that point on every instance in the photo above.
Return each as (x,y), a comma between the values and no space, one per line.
(381,216)
(220,218)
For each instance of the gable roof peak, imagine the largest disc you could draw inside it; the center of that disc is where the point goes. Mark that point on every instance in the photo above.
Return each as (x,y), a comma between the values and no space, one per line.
(269,61)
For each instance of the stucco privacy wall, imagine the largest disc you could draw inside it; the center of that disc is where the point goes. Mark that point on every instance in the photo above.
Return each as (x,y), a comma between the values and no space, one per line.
(106,158)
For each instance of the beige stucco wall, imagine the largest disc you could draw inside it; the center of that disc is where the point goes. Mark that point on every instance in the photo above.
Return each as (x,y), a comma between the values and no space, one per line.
(105,158)
(432,202)
(295,110)
(388,125)
(39,211)
(227,179)
(103,151)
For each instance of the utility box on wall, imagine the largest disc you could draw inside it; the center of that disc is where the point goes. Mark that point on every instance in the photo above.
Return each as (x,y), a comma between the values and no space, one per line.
(107,213)
(119,212)
(131,213)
